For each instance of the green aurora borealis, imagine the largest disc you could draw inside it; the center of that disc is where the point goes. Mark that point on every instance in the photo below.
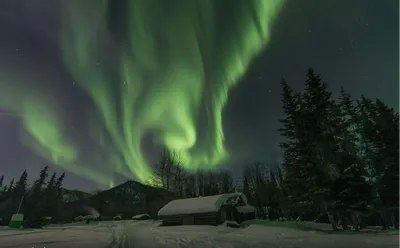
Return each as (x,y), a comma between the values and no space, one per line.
(174,69)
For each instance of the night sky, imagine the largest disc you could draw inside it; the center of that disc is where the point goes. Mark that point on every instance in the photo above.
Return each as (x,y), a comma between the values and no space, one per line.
(67,106)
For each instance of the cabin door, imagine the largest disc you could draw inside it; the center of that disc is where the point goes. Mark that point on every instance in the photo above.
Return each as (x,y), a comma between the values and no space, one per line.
(223,216)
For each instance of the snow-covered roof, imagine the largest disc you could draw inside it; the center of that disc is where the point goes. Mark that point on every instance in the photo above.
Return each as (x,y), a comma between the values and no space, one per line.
(246,209)
(204,204)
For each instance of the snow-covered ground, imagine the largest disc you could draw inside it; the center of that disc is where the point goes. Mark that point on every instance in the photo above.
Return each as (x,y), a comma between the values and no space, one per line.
(146,234)
(96,236)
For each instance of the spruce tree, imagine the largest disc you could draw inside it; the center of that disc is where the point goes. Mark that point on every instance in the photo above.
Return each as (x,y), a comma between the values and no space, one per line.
(51,184)
(310,129)
(294,172)
(380,129)
(35,198)
(57,196)
(10,186)
(38,184)
(1,188)
(20,186)
(321,122)
(49,204)
(387,143)
(59,184)
(352,190)
(9,190)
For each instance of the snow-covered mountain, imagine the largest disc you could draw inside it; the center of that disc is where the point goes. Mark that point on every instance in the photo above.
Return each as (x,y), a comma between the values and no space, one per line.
(130,198)
(69,196)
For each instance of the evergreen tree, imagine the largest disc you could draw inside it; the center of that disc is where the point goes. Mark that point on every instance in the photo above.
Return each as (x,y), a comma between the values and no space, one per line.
(38,184)
(20,186)
(386,140)
(322,124)
(59,183)
(300,166)
(351,191)
(58,196)
(35,198)
(380,129)
(294,173)
(51,184)
(310,129)
(1,188)
(49,205)
(8,190)
(10,186)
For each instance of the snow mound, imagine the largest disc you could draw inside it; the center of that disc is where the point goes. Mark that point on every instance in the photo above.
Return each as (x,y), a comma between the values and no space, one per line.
(117,217)
(273,232)
(141,217)
(88,217)
(233,224)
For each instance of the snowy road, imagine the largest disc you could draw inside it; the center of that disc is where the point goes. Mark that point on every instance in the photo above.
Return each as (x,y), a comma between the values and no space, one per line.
(148,235)
(96,236)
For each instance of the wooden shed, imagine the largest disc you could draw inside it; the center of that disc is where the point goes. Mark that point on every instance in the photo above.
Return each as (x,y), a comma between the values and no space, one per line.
(209,210)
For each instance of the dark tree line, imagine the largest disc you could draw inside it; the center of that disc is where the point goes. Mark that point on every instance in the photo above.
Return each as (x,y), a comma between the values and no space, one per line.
(260,183)
(42,199)
(341,156)
(340,160)
(340,163)
(169,174)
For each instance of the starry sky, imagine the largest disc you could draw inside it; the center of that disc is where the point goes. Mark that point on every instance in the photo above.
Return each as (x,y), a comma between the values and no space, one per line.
(55,73)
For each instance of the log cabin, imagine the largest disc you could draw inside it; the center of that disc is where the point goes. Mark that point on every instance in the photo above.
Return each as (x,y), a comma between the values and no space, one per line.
(208,210)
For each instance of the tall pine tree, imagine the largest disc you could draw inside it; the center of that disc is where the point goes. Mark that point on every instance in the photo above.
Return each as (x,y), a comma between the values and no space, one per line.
(21,185)
(34,198)
(295,174)
(352,191)
(10,186)
(310,161)
(380,130)
(1,187)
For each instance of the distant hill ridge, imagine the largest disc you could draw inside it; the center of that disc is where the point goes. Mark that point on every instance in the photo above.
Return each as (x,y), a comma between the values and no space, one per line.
(127,191)
(130,198)
(74,195)
(133,190)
